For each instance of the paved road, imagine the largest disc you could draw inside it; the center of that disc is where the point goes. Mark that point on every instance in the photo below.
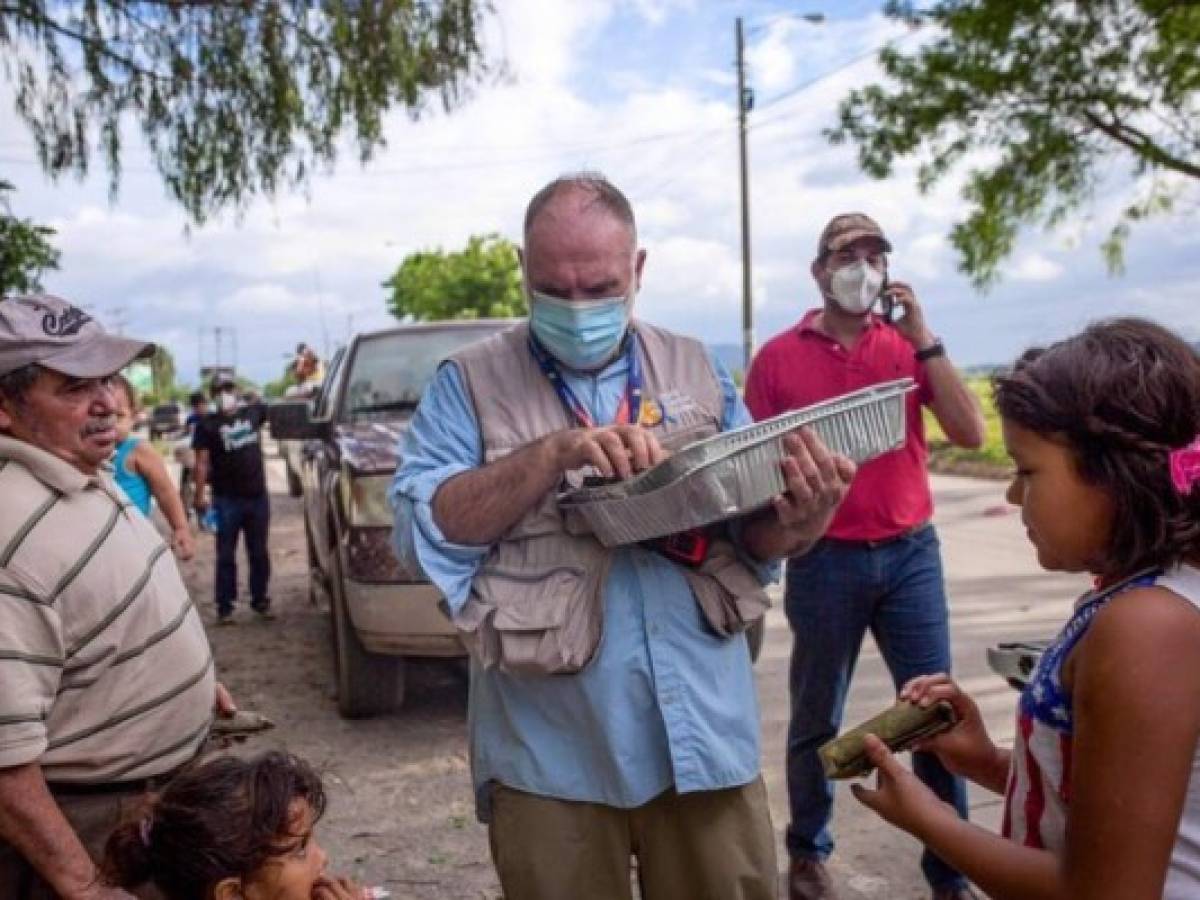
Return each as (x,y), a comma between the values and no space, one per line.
(400,811)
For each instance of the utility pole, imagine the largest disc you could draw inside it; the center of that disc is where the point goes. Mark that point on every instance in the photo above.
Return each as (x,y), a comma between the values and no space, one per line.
(745,100)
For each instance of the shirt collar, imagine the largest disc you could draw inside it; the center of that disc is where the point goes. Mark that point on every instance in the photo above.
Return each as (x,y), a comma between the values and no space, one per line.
(807,324)
(46,467)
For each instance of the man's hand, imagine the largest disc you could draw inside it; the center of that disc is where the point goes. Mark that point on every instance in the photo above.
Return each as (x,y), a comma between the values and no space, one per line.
(618,451)
(223,704)
(478,506)
(912,324)
(183,543)
(816,482)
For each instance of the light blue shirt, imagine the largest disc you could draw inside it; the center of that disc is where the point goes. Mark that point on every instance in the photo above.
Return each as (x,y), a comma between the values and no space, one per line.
(665,701)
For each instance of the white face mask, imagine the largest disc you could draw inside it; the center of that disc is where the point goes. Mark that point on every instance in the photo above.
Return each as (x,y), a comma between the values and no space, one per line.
(856,287)
(226,401)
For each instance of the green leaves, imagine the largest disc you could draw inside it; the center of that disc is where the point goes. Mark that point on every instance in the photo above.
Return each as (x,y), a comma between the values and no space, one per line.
(481,281)
(25,250)
(235,98)
(1042,97)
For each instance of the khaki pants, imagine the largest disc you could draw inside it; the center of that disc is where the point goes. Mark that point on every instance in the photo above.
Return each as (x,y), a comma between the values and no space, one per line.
(712,845)
(93,816)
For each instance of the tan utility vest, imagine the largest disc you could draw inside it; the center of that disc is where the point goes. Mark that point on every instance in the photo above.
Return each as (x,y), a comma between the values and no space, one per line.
(536,605)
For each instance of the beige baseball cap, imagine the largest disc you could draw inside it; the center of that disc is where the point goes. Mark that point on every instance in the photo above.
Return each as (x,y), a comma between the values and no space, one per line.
(49,331)
(846,228)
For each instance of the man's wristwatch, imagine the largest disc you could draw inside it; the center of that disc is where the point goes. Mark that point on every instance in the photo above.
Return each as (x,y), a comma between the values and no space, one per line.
(937,348)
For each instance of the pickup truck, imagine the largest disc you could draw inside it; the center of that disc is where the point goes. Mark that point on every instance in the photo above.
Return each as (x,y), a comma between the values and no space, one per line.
(345,455)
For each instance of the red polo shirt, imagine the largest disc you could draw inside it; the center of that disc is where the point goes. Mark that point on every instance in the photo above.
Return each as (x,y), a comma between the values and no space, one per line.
(802,366)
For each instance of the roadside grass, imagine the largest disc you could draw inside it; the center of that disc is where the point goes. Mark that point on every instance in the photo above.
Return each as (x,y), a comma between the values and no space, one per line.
(991,458)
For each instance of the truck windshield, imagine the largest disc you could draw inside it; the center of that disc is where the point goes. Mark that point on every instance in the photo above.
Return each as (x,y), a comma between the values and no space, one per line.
(390,371)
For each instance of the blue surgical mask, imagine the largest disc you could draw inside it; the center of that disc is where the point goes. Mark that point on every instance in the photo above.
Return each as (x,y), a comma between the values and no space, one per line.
(581,334)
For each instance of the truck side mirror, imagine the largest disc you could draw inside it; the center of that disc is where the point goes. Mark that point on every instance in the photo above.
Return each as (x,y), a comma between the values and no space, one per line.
(291,420)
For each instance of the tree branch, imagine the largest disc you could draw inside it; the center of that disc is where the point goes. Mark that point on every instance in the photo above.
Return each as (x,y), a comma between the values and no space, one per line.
(83,40)
(1141,144)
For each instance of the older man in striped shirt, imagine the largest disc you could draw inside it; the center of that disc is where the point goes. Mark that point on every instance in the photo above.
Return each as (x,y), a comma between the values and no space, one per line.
(106,676)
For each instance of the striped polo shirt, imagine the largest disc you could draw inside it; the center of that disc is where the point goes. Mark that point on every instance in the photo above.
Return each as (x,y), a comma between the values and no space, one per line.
(105,670)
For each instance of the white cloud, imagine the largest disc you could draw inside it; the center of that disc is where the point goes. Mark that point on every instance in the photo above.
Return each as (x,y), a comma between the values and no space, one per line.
(309,268)
(1033,267)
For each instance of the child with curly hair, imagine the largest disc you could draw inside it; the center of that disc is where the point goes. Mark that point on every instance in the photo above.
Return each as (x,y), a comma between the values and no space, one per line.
(1102,787)
(230,829)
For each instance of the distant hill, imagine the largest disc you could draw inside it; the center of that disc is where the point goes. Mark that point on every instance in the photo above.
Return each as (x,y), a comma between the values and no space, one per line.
(730,355)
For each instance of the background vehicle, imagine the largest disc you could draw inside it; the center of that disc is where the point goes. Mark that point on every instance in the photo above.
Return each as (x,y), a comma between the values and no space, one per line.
(1015,660)
(290,451)
(166,419)
(344,446)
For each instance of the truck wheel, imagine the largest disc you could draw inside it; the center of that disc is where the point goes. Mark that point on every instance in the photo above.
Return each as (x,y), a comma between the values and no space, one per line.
(295,488)
(367,683)
(755,634)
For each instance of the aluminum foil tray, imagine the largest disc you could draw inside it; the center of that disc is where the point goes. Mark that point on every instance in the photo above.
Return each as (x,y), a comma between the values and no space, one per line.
(737,472)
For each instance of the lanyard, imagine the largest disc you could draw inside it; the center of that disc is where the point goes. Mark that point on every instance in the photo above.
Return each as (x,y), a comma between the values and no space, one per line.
(630,408)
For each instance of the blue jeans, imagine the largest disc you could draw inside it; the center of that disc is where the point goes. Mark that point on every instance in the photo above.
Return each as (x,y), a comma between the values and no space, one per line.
(834,594)
(235,515)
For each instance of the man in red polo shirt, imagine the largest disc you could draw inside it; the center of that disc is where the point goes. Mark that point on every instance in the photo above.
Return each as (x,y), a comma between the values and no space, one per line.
(879,565)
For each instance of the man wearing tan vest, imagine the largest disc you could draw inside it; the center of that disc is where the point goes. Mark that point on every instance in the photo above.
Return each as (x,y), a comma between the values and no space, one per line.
(613,711)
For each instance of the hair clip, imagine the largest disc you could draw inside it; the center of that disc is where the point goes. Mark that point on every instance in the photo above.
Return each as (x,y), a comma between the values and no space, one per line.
(1185,467)
(144,830)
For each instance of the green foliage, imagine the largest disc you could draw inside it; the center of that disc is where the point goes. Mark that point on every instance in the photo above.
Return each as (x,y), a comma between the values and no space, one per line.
(234,99)
(162,372)
(25,251)
(481,281)
(1049,91)
(279,386)
(992,454)
(273,390)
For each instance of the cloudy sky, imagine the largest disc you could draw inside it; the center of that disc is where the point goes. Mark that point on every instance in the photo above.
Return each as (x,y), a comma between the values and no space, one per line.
(642,90)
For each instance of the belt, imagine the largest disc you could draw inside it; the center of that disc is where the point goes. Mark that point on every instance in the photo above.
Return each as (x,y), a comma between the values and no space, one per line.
(137,786)
(878,542)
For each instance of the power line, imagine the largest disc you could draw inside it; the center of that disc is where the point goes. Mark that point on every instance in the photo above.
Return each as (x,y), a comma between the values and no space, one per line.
(817,79)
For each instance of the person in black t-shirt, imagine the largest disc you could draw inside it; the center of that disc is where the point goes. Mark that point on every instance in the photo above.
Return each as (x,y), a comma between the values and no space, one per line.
(228,448)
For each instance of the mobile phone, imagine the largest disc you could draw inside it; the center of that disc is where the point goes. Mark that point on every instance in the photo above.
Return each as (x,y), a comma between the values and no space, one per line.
(889,310)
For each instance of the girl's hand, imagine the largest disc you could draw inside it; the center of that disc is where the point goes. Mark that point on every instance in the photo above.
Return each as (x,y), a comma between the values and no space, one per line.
(966,748)
(183,543)
(329,888)
(899,796)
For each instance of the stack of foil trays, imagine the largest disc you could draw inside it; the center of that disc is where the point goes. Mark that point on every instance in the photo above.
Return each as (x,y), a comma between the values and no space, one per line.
(737,472)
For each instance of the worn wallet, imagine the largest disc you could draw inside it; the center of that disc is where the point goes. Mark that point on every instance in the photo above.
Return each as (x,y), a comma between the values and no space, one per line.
(899,727)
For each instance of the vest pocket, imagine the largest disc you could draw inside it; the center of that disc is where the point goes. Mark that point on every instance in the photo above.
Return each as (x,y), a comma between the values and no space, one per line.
(531,602)
(728,593)
(540,622)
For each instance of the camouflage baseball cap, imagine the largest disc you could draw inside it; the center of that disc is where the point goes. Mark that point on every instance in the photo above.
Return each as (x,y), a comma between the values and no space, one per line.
(51,332)
(846,228)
